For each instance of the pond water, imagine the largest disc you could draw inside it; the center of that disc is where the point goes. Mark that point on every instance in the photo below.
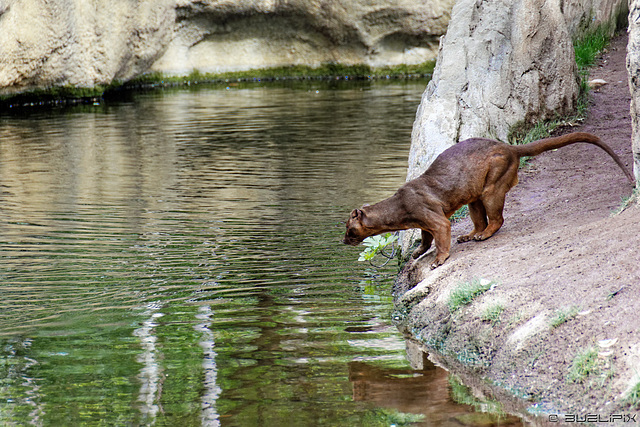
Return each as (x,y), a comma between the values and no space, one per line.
(175,259)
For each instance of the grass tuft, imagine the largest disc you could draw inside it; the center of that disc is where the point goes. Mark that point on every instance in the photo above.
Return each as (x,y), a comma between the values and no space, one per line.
(584,365)
(633,397)
(589,365)
(492,313)
(563,316)
(588,47)
(464,293)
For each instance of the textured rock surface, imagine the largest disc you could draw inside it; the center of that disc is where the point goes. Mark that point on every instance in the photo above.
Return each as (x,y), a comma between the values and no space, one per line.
(47,43)
(633,68)
(82,43)
(230,35)
(500,63)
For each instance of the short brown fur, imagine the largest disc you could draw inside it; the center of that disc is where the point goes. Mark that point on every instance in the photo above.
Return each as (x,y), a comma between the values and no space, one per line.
(476,172)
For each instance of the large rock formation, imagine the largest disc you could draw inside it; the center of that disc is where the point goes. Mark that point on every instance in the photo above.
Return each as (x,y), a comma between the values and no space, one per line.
(46,43)
(633,67)
(502,62)
(81,43)
(235,34)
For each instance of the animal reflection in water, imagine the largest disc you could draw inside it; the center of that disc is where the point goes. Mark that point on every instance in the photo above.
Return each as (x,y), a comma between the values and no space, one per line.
(425,392)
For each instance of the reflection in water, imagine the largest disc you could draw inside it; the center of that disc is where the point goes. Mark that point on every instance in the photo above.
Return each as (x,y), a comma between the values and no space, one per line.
(220,213)
(425,391)
(407,390)
(150,373)
(210,416)
(18,366)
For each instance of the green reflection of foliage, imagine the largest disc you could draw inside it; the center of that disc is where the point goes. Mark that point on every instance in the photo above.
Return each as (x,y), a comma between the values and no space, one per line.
(388,417)
(462,394)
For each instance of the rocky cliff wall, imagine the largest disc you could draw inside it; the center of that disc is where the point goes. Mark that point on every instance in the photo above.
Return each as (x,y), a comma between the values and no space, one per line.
(215,36)
(502,62)
(82,43)
(46,43)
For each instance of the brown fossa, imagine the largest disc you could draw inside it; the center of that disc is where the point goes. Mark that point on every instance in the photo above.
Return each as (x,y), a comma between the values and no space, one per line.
(476,172)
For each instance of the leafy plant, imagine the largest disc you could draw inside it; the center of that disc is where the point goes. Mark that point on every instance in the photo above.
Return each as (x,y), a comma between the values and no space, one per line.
(461,213)
(376,245)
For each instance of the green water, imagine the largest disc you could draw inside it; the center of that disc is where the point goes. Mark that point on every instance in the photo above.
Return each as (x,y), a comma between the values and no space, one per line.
(175,260)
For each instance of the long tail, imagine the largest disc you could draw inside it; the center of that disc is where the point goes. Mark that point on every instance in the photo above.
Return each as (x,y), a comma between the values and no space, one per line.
(542,145)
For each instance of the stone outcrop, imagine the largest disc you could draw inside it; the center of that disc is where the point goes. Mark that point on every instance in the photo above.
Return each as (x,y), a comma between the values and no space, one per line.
(81,43)
(214,36)
(502,63)
(633,68)
(45,43)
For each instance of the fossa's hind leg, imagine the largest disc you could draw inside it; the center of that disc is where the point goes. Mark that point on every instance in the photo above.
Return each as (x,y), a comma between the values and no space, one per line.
(478,215)
(493,198)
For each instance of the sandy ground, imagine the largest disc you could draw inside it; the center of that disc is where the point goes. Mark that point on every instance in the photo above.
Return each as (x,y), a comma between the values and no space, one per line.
(559,251)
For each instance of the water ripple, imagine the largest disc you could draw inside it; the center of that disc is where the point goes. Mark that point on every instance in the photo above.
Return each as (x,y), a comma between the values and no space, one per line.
(176,259)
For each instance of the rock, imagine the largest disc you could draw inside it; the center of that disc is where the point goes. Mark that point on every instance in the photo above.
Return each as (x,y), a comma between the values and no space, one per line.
(633,68)
(76,43)
(214,36)
(596,83)
(46,43)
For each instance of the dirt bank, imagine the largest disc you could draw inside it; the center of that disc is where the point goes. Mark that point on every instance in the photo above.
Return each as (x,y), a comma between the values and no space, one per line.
(566,277)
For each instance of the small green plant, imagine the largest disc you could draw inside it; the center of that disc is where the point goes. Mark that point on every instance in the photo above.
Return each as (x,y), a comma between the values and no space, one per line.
(627,201)
(588,47)
(376,244)
(584,365)
(563,316)
(465,292)
(493,312)
(461,213)
(633,396)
